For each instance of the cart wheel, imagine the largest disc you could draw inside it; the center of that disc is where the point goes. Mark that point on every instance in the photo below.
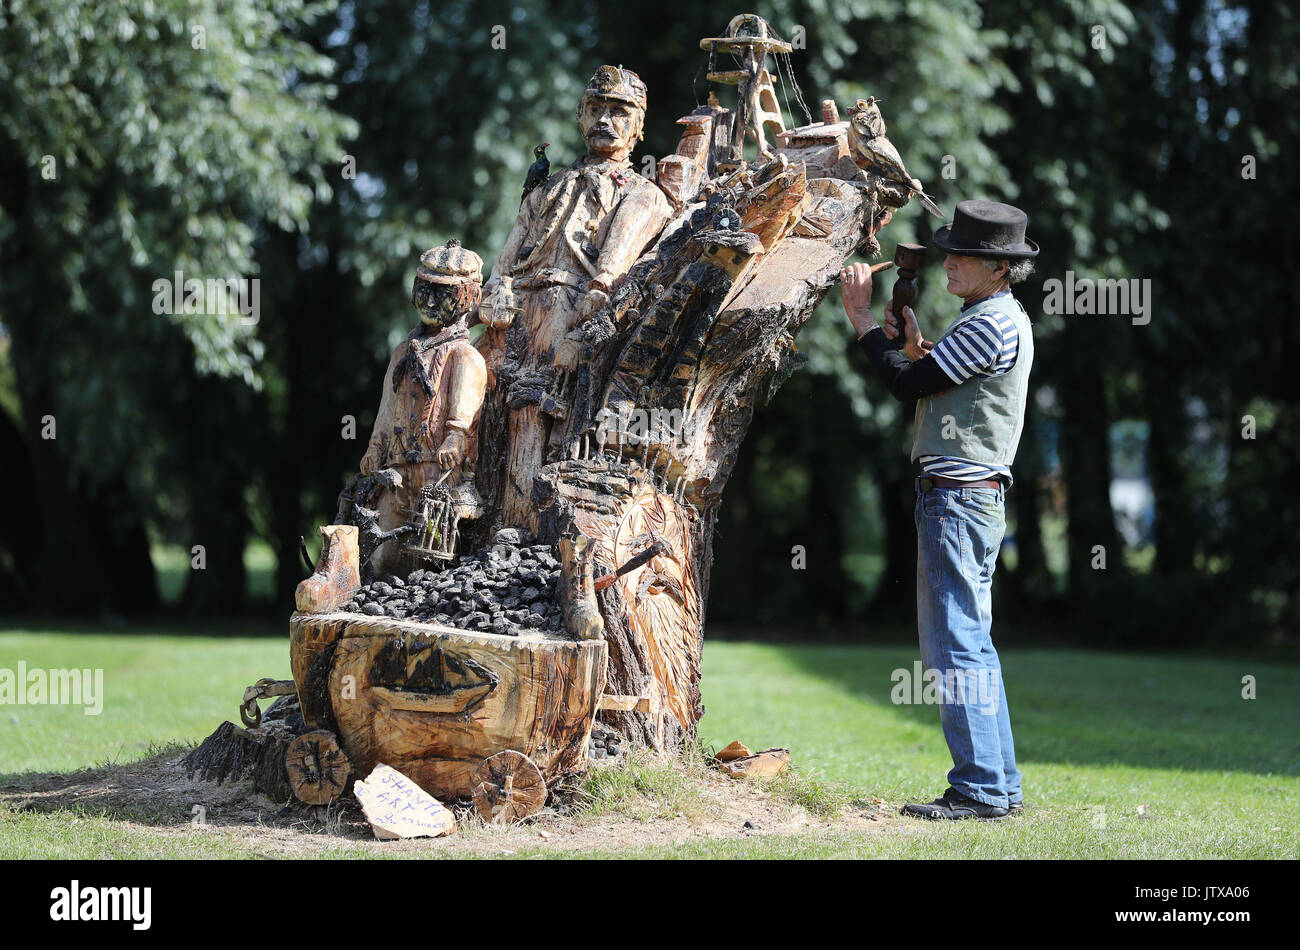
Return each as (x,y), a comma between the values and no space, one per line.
(318,768)
(510,788)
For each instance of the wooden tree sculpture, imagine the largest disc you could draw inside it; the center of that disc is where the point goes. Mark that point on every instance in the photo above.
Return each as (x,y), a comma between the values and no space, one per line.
(633,327)
(663,381)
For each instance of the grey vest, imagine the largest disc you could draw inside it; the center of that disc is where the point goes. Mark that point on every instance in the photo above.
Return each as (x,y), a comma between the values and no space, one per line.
(987,413)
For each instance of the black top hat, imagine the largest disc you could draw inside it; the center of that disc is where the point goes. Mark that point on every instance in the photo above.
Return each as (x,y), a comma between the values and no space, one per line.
(987,229)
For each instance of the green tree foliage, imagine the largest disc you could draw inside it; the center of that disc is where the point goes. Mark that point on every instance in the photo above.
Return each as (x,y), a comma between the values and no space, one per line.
(322,147)
(139,139)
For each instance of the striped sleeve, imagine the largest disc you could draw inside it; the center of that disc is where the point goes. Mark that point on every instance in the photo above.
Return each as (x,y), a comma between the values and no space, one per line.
(985,344)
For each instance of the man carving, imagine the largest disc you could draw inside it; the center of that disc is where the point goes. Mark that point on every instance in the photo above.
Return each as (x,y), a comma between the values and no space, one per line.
(575,238)
(427,425)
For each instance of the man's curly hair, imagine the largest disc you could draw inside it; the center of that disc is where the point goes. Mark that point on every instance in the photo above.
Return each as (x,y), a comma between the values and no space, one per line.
(1017,271)
(1020,271)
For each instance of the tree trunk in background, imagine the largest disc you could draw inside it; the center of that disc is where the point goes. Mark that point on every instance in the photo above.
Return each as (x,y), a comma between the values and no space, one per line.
(831,473)
(1175,529)
(897,587)
(91,554)
(1175,508)
(1085,452)
(21,526)
(118,530)
(218,516)
(288,454)
(826,581)
(315,348)
(286,519)
(1030,582)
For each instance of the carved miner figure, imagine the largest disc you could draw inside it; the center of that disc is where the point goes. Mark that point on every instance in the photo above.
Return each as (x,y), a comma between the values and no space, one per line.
(576,236)
(426,429)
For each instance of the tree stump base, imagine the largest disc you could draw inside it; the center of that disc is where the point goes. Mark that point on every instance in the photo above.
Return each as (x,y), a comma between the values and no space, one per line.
(232,754)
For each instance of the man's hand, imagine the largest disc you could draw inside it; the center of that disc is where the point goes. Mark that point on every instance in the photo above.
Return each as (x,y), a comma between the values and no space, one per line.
(914,346)
(855,285)
(452,449)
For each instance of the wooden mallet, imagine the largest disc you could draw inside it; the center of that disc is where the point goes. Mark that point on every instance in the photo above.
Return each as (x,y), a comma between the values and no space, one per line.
(908,258)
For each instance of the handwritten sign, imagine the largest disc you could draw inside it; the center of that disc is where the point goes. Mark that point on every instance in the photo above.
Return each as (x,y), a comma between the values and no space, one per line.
(398,808)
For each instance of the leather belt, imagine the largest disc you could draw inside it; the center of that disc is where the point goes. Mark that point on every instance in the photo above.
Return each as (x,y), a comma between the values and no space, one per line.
(926,482)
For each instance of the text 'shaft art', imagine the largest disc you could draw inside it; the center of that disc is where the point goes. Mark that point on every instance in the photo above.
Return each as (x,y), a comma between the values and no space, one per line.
(398,808)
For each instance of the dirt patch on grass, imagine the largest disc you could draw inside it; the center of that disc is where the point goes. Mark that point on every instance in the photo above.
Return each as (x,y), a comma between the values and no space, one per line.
(640,803)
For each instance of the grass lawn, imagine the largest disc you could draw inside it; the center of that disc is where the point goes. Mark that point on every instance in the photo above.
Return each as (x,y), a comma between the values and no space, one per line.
(1125,756)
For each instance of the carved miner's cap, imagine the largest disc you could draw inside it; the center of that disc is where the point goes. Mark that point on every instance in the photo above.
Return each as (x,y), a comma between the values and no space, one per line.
(615,82)
(450,264)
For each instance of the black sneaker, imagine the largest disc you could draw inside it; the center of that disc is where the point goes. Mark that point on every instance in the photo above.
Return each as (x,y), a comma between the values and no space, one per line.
(1016,808)
(954,806)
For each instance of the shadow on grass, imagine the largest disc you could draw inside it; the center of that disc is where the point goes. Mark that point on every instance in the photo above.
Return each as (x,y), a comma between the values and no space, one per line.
(1072,706)
(156,790)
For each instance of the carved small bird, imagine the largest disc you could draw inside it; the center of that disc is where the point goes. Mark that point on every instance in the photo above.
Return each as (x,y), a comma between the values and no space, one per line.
(537,171)
(872,149)
(867,114)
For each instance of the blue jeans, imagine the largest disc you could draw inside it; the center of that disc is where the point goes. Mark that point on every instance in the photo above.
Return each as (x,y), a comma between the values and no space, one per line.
(958,533)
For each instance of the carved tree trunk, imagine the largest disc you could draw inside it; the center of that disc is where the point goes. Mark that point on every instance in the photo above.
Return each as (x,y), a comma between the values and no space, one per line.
(232,754)
(701,331)
(640,439)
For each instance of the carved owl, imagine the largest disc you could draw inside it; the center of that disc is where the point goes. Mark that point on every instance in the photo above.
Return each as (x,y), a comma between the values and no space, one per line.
(873,151)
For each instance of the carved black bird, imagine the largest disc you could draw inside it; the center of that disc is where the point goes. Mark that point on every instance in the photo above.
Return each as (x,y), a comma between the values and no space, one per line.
(537,171)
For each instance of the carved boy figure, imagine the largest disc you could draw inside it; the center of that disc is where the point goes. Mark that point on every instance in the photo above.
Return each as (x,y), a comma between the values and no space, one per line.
(575,237)
(427,424)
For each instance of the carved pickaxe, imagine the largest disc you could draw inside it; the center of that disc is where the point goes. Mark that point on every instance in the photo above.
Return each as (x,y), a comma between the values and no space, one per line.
(637,560)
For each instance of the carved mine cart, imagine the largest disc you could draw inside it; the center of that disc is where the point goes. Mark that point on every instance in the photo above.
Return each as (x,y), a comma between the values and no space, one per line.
(437,703)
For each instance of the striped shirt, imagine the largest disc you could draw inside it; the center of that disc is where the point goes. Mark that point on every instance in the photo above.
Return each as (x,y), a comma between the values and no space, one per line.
(985,344)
